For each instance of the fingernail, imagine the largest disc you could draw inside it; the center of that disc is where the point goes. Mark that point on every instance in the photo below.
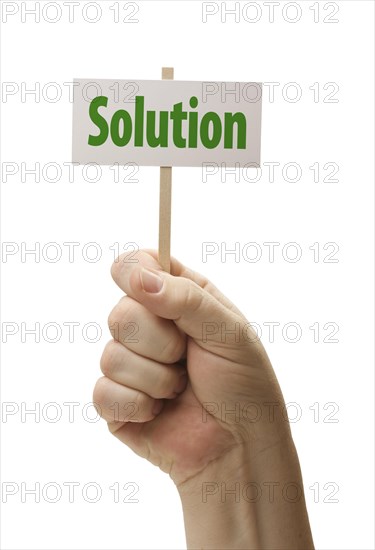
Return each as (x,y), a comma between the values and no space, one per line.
(150,281)
(181,385)
(159,404)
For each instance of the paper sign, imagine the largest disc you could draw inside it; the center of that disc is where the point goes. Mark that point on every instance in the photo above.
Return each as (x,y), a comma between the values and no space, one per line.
(167,122)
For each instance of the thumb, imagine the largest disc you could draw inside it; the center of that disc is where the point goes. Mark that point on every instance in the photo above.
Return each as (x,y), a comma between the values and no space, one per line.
(194,310)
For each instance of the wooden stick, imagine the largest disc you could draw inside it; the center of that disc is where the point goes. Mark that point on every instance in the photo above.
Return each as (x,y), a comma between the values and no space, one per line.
(165,202)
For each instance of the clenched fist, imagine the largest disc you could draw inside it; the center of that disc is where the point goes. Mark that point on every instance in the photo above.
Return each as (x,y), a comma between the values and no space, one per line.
(188,385)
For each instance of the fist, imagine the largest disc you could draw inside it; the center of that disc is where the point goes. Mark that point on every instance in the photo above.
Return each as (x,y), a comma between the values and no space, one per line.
(182,365)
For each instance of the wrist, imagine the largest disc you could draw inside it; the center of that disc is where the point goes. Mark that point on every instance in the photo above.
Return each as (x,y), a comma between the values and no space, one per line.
(252,497)
(215,516)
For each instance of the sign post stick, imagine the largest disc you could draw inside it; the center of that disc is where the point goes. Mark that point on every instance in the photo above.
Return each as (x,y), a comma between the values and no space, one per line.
(165,202)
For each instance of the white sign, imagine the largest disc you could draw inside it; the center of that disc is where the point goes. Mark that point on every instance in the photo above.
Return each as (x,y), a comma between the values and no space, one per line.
(167,122)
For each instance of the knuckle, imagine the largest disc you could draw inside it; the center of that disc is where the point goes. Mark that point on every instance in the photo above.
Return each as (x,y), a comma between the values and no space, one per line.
(124,311)
(165,385)
(113,317)
(141,403)
(115,268)
(172,350)
(107,360)
(124,261)
(192,297)
(100,393)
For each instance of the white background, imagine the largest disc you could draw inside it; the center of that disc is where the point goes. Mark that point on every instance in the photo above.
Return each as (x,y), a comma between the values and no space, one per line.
(229,212)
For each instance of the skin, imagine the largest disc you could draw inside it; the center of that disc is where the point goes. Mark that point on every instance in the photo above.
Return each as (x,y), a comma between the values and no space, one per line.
(188,386)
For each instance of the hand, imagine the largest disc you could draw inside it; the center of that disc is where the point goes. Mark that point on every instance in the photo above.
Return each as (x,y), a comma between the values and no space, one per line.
(195,360)
(205,406)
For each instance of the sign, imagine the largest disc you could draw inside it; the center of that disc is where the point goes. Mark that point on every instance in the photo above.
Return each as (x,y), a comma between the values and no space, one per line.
(167,122)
